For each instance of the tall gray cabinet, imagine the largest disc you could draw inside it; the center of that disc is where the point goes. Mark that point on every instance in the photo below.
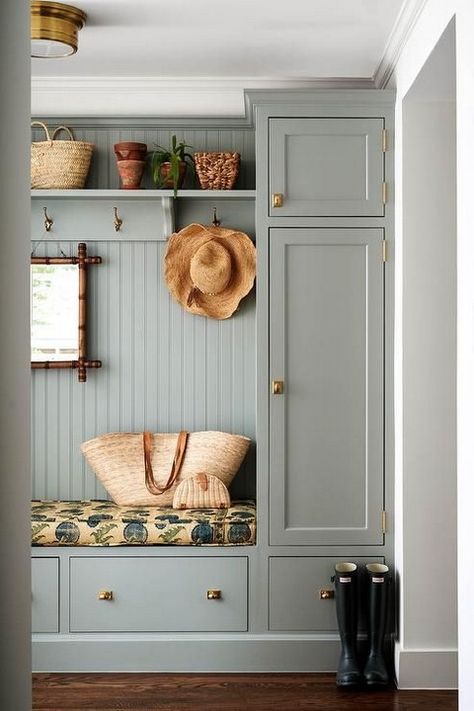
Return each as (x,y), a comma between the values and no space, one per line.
(324,228)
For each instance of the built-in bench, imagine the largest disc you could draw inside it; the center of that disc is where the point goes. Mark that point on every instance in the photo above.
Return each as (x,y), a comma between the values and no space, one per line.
(103,523)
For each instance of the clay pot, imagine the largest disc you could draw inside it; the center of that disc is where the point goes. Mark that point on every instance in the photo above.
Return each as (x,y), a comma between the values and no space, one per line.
(131,173)
(130,150)
(167,183)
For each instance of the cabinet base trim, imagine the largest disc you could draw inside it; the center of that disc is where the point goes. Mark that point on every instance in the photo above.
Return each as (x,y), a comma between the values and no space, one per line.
(257,654)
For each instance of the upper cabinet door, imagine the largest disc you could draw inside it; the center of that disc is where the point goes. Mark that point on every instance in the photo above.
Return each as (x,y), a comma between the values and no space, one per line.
(326,167)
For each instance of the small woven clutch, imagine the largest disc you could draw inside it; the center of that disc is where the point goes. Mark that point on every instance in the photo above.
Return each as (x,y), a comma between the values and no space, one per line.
(202,491)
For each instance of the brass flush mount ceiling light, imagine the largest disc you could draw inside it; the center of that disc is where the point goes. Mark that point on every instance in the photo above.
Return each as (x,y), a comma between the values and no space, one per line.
(54,29)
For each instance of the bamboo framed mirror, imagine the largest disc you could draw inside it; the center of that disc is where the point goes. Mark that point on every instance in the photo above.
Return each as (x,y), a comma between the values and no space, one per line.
(59,312)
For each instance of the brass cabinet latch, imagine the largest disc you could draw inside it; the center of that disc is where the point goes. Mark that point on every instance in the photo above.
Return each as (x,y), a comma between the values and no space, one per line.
(277,200)
(277,387)
(106,595)
(326,594)
(214,594)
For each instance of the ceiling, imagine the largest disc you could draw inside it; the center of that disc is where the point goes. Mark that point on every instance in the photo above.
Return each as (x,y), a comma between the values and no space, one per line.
(254,42)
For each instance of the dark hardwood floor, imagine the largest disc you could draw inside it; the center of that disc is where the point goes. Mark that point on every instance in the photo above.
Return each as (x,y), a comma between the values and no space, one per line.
(223,692)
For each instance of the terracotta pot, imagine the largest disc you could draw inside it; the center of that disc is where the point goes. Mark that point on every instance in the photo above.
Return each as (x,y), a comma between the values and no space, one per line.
(167,183)
(131,173)
(130,150)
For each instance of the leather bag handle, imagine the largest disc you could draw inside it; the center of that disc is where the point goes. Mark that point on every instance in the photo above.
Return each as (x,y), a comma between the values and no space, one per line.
(150,482)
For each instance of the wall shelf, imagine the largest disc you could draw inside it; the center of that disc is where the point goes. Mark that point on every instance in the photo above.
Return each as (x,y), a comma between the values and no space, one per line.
(146,194)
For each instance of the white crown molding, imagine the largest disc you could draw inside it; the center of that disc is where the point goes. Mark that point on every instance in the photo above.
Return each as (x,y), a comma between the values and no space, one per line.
(401,31)
(161,97)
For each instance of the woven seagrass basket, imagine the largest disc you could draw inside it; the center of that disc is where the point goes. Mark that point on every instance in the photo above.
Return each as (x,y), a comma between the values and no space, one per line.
(59,164)
(217,171)
(118,461)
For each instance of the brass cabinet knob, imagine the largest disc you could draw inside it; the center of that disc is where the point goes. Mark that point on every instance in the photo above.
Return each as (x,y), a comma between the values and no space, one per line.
(277,387)
(213,594)
(277,200)
(105,595)
(326,594)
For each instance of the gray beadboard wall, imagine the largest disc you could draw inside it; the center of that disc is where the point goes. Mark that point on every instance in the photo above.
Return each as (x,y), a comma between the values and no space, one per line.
(163,369)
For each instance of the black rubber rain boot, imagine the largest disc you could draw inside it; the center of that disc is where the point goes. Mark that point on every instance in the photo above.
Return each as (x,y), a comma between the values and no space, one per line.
(378,580)
(346,584)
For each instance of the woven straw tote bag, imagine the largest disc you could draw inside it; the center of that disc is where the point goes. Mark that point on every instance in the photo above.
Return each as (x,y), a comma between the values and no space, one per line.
(144,469)
(59,164)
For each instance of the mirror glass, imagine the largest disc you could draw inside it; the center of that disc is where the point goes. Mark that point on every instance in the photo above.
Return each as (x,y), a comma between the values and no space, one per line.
(54,312)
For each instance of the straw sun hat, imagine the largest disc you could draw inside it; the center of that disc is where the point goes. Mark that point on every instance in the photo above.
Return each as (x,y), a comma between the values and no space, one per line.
(210,269)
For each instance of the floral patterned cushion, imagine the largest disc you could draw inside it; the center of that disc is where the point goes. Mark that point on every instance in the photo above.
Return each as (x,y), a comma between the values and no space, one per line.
(103,523)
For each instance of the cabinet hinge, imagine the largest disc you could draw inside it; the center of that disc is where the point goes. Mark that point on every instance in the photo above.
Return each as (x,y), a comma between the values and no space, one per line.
(384,140)
(384,250)
(384,192)
(384,522)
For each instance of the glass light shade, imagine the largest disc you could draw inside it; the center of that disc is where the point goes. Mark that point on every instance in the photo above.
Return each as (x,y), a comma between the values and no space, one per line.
(54,29)
(50,48)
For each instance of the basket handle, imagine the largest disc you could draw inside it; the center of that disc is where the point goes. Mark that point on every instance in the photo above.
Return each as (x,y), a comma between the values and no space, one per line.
(61,128)
(43,125)
(150,482)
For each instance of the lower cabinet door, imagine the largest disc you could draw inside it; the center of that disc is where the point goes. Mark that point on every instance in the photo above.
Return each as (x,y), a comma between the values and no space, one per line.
(45,589)
(158,594)
(327,417)
(298,593)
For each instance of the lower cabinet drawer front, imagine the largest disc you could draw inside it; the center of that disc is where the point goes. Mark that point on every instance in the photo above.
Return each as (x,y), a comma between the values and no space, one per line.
(295,585)
(45,598)
(158,594)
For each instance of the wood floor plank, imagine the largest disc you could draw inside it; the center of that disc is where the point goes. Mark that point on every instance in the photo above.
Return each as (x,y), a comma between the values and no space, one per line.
(223,692)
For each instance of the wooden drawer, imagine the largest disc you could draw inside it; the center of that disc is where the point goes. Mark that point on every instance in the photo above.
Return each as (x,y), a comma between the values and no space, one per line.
(294,592)
(45,594)
(93,218)
(158,594)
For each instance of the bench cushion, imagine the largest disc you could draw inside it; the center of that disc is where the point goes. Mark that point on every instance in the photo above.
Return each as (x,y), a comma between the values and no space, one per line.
(103,523)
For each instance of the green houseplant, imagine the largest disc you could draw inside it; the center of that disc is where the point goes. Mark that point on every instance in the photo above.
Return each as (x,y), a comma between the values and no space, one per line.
(168,165)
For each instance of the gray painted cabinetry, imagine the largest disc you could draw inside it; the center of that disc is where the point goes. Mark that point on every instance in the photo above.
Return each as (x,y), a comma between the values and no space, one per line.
(320,321)
(45,594)
(326,344)
(158,594)
(326,166)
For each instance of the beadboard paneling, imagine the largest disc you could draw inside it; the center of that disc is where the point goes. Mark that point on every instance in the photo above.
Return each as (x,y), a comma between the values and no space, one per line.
(163,369)
(103,171)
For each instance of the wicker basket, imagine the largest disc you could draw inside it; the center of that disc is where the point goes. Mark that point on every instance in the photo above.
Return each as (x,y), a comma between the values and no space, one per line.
(118,461)
(217,171)
(59,164)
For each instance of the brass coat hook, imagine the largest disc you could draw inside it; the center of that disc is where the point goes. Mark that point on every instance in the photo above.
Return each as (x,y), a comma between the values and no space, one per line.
(48,221)
(215,220)
(117,221)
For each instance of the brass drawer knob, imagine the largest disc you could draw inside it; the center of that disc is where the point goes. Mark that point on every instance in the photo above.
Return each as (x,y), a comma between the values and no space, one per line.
(326,594)
(277,200)
(105,595)
(213,594)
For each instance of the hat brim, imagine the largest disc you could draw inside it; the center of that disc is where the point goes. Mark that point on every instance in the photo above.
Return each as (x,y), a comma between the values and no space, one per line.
(182,246)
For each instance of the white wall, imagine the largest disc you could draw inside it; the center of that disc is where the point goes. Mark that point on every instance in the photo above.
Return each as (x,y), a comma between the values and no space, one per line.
(15,588)
(424,652)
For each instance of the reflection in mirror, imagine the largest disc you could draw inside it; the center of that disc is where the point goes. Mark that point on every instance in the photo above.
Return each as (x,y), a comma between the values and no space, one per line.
(54,312)
(58,312)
